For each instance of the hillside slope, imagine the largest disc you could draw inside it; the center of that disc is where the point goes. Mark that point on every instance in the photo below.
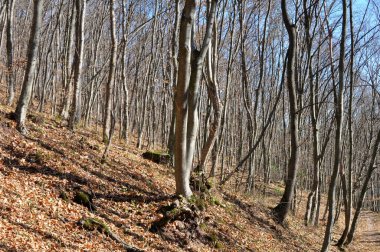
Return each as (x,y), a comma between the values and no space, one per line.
(35,171)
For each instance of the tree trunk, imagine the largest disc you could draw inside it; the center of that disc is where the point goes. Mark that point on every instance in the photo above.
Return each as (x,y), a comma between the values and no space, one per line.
(213,94)
(189,75)
(10,80)
(338,99)
(348,196)
(68,63)
(282,209)
(111,76)
(76,110)
(26,92)
(174,73)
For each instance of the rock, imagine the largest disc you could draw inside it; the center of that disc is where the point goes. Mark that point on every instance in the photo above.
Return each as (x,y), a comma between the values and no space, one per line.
(178,211)
(179,224)
(63,195)
(92,224)
(157,157)
(84,199)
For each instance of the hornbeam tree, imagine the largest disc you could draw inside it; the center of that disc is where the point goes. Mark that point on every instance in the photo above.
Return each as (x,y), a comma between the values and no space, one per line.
(338,101)
(30,71)
(282,209)
(190,61)
(76,110)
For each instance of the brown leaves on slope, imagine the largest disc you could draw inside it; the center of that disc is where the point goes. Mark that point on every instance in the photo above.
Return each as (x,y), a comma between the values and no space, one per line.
(127,190)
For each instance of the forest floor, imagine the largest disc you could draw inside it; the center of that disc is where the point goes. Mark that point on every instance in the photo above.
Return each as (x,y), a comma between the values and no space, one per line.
(128,190)
(369,235)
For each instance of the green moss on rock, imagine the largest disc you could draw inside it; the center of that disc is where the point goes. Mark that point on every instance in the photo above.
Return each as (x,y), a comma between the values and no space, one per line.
(159,157)
(92,224)
(84,199)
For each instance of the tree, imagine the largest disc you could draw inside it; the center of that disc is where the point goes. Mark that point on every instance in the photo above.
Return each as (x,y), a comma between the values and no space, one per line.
(338,100)
(282,209)
(190,62)
(26,92)
(68,63)
(76,110)
(111,74)
(10,79)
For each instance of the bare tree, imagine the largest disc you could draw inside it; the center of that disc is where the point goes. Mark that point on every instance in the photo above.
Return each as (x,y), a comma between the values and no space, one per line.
(76,110)
(189,75)
(338,100)
(26,92)
(282,209)
(10,81)
(111,74)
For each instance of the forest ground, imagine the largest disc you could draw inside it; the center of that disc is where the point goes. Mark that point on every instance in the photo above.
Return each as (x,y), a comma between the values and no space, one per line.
(128,190)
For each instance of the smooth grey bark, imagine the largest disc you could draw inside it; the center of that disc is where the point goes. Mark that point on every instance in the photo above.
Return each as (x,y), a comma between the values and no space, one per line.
(194,86)
(348,189)
(182,172)
(26,91)
(231,55)
(213,94)
(125,27)
(111,76)
(190,68)
(247,101)
(3,11)
(338,100)
(311,216)
(76,110)
(9,45)
(68,65)
(281,210)
(174,73)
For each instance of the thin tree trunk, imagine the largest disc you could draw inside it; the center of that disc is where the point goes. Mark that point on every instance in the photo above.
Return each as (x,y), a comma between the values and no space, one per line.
(189,75)
(9,45)
(111,76)
(348,196)
(26,92)
(282,209)
(338,98)
(76,110)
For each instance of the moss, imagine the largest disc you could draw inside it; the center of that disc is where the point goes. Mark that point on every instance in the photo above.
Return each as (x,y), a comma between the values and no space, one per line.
(63,195)
(58,118)
(159,152)
(203,226)
(159,157)
(216,242)
(215,201)
(198,201)
(84,199)
(92,224)
(82,196)
(37,157)
(219,245)
(211,182)
(37,119)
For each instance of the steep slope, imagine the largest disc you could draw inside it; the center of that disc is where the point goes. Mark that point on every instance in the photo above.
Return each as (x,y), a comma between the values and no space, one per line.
(38,170)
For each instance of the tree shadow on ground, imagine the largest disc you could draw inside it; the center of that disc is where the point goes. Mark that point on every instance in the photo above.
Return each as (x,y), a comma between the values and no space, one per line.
(41,233)
(113,168)
(249,210)
(133,197)
(6,248)
(34,168)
